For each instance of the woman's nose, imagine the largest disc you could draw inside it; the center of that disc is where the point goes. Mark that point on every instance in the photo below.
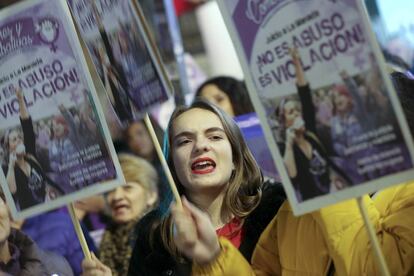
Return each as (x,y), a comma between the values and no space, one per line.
(117,193)
(202,144)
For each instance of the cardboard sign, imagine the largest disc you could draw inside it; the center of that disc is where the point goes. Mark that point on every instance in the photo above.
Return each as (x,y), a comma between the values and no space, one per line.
(56,146)
(340,132)
(125,59)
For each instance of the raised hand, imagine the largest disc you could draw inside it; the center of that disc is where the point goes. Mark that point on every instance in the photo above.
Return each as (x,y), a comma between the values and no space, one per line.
(194,233)
(19,94)
(300,75)
(290,136)
(12,159)
(24,114)
(294,53)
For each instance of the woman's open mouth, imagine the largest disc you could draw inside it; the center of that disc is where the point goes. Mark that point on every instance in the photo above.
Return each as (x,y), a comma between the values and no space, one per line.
(120,208)
(203,166)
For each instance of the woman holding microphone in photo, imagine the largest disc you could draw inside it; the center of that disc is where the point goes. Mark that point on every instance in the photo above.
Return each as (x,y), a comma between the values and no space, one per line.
(25,175)
(308,164)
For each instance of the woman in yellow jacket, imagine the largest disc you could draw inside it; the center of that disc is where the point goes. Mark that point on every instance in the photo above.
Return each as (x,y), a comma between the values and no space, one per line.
(331,241)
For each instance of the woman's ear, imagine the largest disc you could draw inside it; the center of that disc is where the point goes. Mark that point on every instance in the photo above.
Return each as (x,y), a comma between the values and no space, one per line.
(152,198)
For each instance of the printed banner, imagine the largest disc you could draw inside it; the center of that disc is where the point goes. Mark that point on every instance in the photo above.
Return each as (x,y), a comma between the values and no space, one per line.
(328,108)
(55,145)
(133,77)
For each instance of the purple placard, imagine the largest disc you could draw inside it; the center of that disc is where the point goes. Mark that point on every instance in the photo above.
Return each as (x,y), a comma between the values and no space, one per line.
(329,112)
(122,55)
(54,143)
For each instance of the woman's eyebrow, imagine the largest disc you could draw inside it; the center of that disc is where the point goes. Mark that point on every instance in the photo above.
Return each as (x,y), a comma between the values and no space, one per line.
(183,134)
(187,133)
(214,129)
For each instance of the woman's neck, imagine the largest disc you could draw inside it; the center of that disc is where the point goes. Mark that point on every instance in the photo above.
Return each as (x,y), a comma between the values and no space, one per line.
(212,203)
(5,252)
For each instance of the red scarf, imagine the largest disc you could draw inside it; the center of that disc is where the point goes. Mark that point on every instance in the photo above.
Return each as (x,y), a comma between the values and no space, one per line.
(233,231)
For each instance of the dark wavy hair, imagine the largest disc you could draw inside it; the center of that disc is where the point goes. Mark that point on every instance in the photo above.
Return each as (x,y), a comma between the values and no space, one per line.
(236,91)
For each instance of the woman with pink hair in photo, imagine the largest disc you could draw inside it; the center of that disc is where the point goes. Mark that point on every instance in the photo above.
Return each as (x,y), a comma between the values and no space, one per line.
(61,148)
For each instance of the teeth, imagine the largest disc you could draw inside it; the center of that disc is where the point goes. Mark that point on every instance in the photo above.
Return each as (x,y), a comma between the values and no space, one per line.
(203,164)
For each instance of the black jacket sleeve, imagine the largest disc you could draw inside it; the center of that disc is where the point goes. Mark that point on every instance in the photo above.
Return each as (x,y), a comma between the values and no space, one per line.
(29,136)
(308,109)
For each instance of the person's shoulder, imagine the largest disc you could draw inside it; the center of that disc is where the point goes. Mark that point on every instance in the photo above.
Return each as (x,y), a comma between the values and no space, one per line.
(146,234)
(256,222)
(146,224)
(273,196)
(55,264)
(37,261)
(150,257)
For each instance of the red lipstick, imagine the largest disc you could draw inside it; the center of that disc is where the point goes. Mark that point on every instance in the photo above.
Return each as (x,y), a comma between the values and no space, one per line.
(203,165)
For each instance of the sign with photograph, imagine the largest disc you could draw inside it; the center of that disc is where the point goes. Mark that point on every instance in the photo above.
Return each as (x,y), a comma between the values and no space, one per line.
(317,80)
(55,144)
(124,57)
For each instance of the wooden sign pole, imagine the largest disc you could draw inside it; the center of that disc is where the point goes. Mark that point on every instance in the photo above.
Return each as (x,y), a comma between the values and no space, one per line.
(374,240)
(79,232)
(162,160)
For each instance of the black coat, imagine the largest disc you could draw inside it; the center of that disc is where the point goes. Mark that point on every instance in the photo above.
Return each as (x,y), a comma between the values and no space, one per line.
(157,261)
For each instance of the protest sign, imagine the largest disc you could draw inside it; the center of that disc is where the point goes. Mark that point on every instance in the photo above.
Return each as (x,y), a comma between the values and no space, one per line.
(328,109)
(156,13)
(99,86)
(121,50)
(56,146)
